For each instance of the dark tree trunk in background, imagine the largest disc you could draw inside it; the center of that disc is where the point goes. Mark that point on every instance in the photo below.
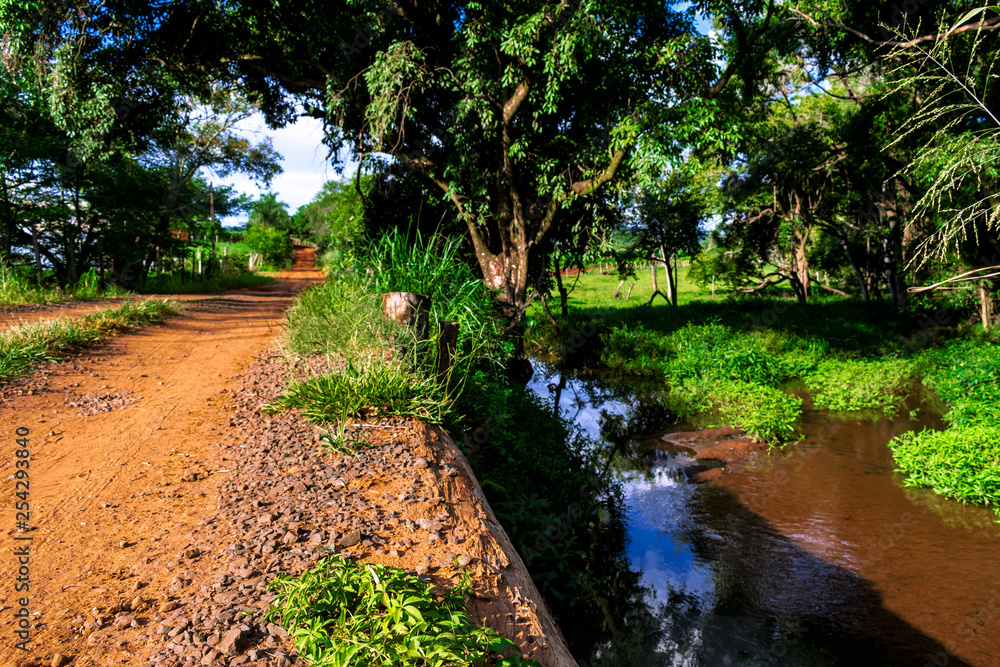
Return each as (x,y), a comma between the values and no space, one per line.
(447,345)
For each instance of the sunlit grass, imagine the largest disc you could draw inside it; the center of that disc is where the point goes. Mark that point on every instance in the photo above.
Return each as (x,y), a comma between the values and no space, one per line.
(24,346)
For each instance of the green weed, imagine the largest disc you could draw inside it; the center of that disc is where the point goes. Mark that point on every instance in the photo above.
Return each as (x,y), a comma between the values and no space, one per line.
(345,614)
(861,384)
(962,462)
(389,389)
(713,369)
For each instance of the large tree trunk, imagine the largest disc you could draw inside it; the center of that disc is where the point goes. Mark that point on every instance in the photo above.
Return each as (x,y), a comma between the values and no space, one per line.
(563,293)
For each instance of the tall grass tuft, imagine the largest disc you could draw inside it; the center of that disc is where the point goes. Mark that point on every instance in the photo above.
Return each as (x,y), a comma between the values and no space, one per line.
(15,289)
(389,389)
(435,268)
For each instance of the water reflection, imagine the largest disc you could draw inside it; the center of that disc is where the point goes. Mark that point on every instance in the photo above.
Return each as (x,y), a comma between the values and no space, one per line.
(818,555)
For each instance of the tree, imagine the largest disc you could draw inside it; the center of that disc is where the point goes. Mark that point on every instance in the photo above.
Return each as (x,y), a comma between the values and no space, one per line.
(512,111)
(269,212)
(273,245)
(334,219)
(670,216)
(202,135)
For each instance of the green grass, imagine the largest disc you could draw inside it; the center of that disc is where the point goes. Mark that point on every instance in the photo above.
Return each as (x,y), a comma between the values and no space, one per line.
(343,614)
(24,346)
(16,289)
(386,388)
(861,384)
(715,371)
(164,284)
(962,462)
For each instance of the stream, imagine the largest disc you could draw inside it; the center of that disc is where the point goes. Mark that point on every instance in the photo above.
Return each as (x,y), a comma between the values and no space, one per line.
(816,554)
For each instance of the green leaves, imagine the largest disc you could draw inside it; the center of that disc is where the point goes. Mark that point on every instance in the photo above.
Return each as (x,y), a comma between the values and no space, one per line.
(344,614)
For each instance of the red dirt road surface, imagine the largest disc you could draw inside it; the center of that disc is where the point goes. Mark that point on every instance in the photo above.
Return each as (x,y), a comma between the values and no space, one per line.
(121,467)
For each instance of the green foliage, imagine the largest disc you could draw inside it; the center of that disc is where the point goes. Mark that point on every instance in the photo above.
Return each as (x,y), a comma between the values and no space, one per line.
(712,368)
(334,220)
(436,268)
(164,284)
(957,127)
(343,614)
(961,463)
(274,245)
(16,289)
(861,384)
(269,212)
(766,414)
(26,345)
(391,389)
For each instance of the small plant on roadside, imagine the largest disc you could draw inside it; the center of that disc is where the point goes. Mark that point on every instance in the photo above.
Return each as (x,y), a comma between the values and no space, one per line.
(343,614)
(387,389)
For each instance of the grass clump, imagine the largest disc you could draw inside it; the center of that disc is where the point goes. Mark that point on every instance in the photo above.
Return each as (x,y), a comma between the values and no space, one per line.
(26,345)
(16,289)
(962,462)
(861,384)
(387,388)
(341,613)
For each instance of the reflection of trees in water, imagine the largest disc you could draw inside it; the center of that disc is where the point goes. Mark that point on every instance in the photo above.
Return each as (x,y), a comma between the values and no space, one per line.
(777,604)
(772,603)
(629,447)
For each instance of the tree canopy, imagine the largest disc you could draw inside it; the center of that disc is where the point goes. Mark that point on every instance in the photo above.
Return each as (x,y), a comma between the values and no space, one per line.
(512,110)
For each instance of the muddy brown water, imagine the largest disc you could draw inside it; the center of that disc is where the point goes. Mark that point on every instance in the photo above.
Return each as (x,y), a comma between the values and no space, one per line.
(815,555)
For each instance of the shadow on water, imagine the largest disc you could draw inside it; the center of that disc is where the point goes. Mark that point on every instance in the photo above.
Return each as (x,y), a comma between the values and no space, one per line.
(735,591)
(753,572)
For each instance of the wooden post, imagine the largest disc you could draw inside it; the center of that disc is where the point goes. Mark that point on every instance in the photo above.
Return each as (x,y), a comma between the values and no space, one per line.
(407,308)
(447,344)
(984,303)
(36,248)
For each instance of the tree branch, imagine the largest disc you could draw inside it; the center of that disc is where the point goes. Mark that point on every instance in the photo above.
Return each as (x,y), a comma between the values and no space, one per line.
(986,25)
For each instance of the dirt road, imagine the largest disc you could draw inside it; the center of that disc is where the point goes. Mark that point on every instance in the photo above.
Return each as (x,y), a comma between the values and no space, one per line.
(121,443)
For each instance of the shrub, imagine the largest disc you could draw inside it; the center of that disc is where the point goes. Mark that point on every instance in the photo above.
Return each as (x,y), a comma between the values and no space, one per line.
(341,613)
(274,245)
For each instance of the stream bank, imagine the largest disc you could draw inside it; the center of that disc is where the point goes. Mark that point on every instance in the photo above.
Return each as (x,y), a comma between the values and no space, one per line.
(816,554)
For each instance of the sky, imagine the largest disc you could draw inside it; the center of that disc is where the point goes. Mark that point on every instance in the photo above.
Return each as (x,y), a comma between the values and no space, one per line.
(304,161)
